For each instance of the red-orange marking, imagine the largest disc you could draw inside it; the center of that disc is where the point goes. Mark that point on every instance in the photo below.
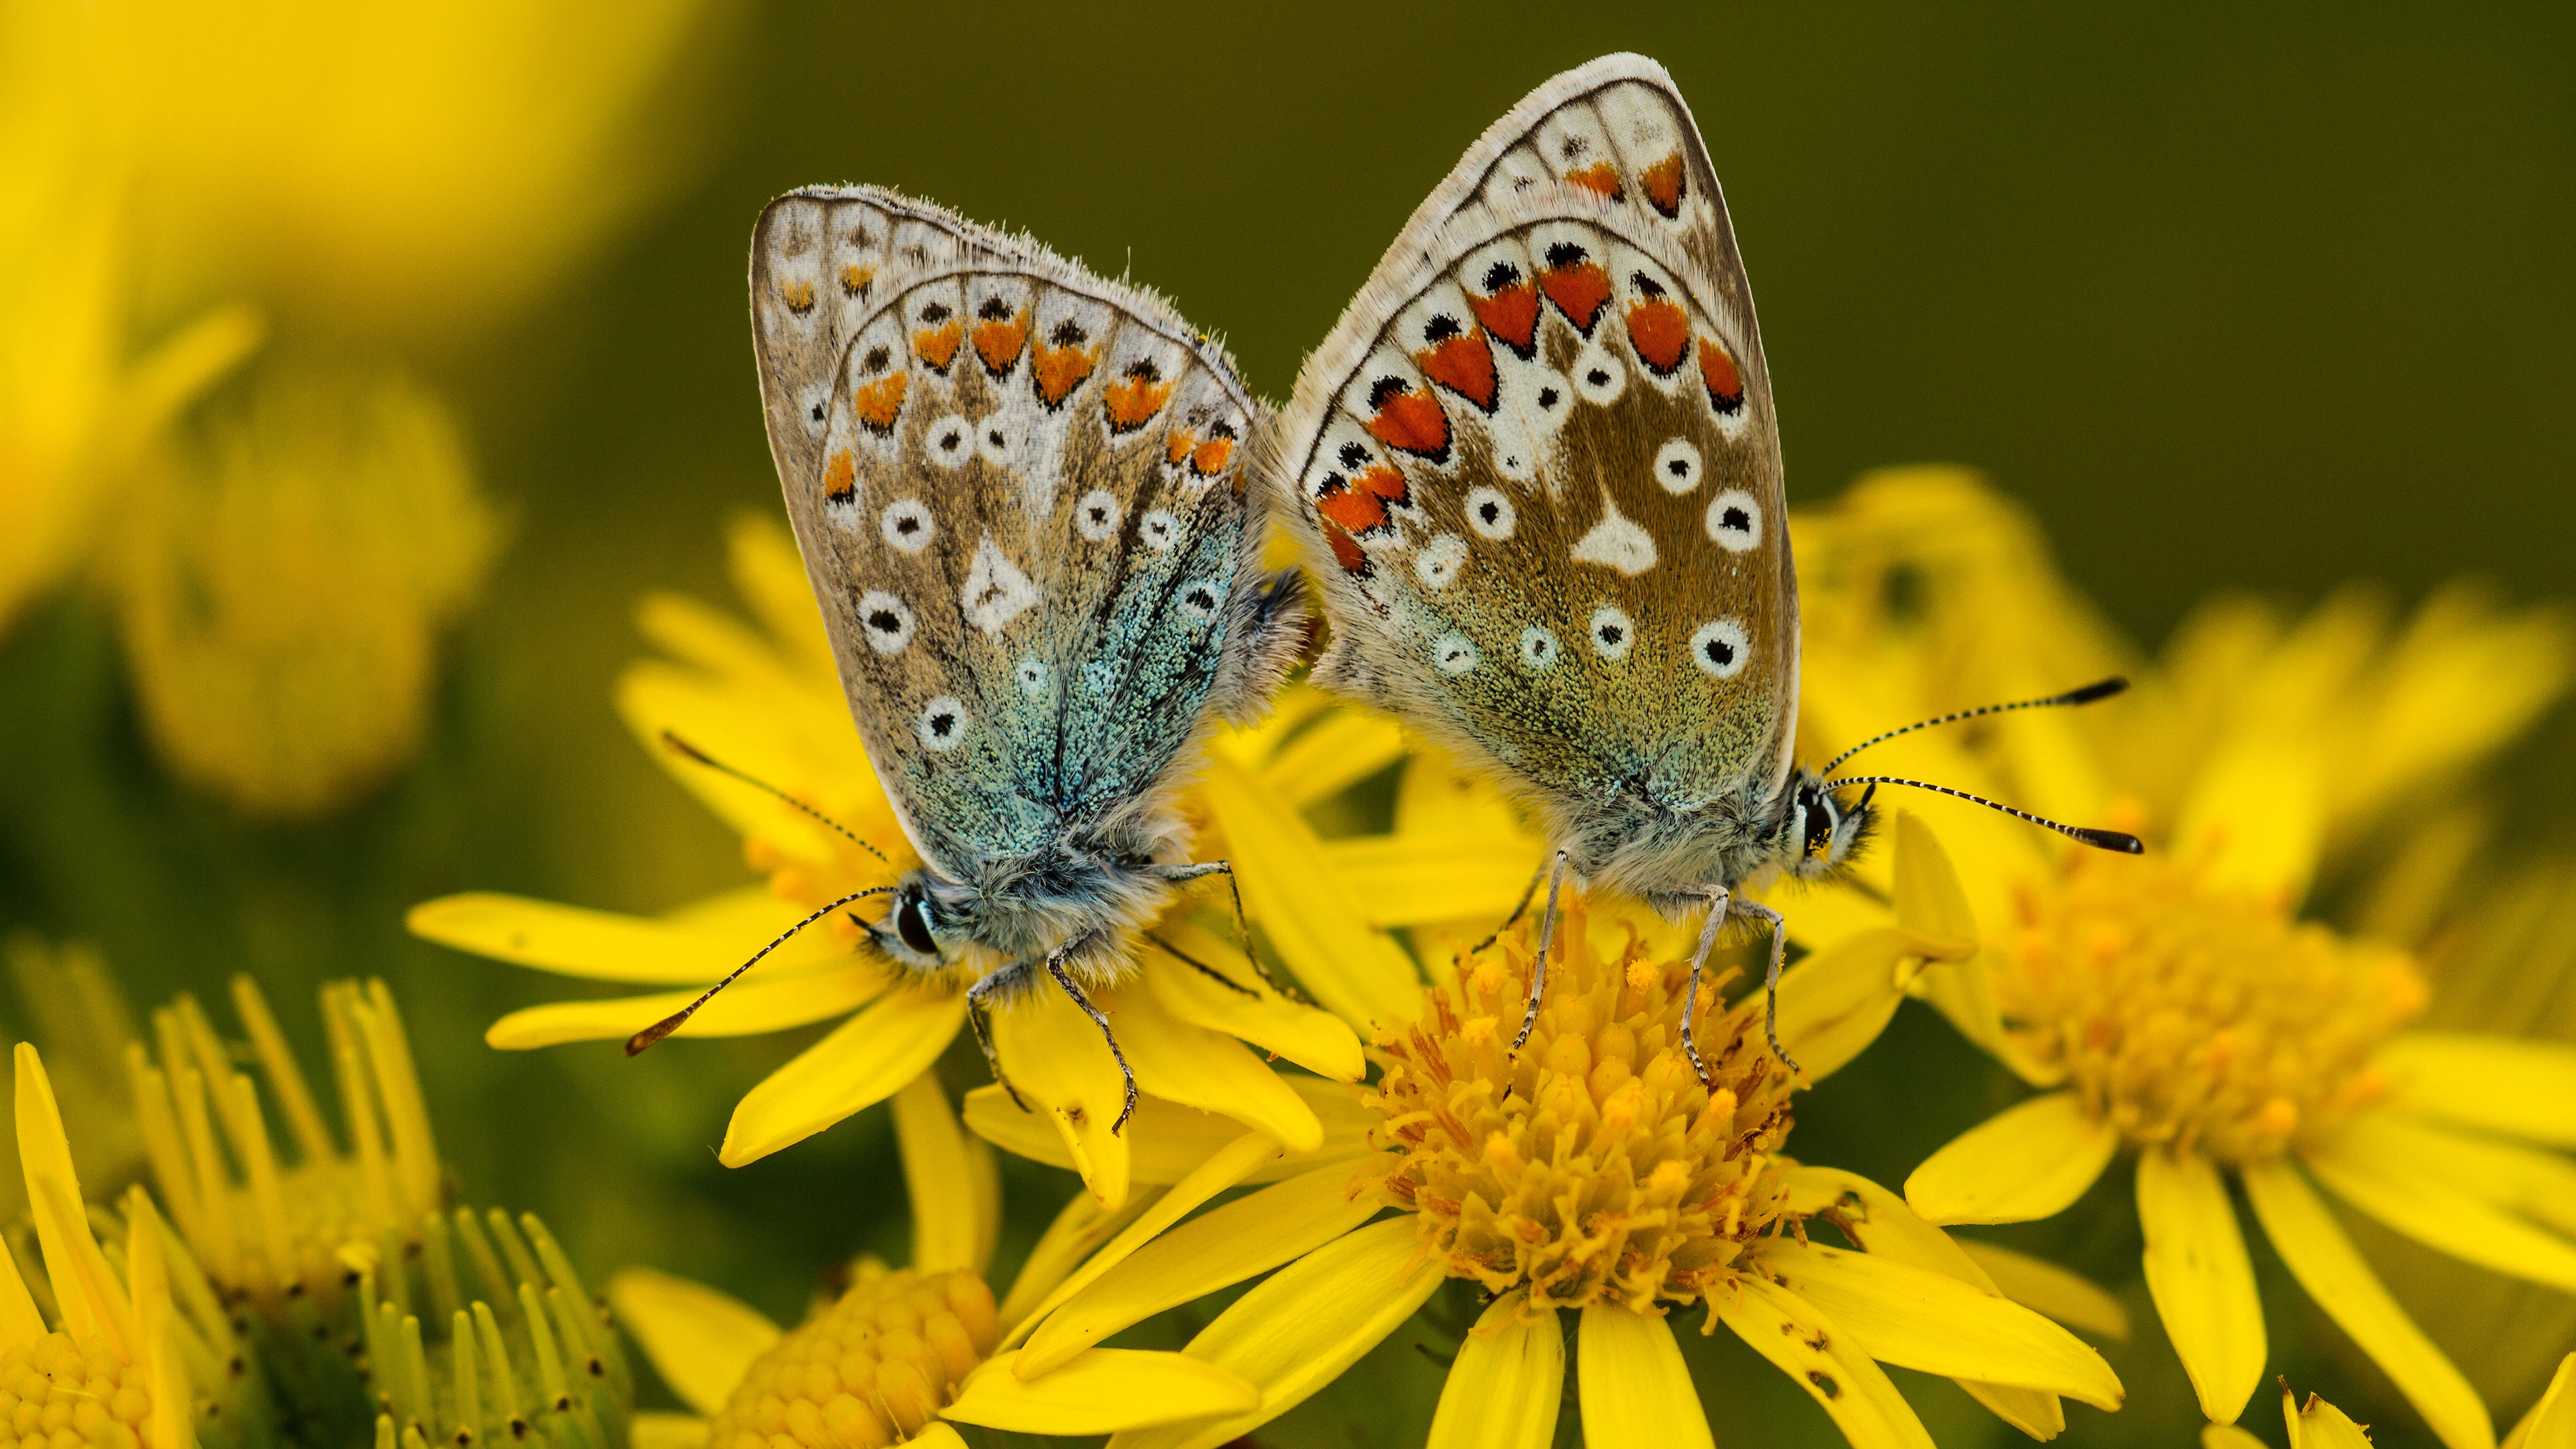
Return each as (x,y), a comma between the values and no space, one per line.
(798,295)
(1359,504)
(855,278)
(1725,383)
(840,477)
(1660,331)
(1132,401)
(1177,446)
(1510,314)
(1663,182)
(1346,552)
(1412,420)
(1464,365)
(1600,177)
(937,346)
(1209,460)
(1060,370)
(1580,291)
(998,343)
(878,402)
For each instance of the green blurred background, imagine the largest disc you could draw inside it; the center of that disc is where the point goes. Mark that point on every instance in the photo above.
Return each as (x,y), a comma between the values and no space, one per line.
(2259,297)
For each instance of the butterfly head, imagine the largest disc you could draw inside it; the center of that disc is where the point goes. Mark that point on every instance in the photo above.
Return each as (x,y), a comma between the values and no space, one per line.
(913,931)
(1820,831)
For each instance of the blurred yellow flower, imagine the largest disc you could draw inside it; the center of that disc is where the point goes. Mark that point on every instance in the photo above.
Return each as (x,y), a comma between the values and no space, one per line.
(77,1014)
(282,606)
(900,1352)
(1593,1175)
(772,707)
(2175,1005)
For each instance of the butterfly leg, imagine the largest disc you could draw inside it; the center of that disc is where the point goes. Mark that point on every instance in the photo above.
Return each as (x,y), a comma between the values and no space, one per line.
(1242,925)
(1779,929)
(980,1013)
(1055,968)
(1719,898)
(1538,963)
(1528,893)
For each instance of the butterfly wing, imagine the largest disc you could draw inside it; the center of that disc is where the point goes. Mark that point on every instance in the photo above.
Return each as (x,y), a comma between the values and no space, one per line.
(1537,468)
(1018,490)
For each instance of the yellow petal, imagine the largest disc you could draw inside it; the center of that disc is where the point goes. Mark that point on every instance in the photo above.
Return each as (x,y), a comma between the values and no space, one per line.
(2502,1084)
(700,1341)
(1196,1067)
(1929,898)
(1816,1355)
(2538,1184)
(1507,1383)
(956,1200)
(1632,1383)
(754,1005)
(937,1434)
(1217,1249)
(2031,1161)
(2070,1298)
(1878,1221)
(655,1429)
(2324,1261)
(1167,1140)
(1437,798)
(2319,1425)
(864,1061)
(1309,913)
(606,946)
(1223,1169)
(1317,1040)
(1299,1328)
(1099,1392)
(1053,1054)
(1924,1320)
(2257,813)
(1412,880)
(1834,1003)
(2551,1424)
(2201,1281)
(1343,748)
(1080,1226)
(87,1295)
(2369,1164)
(2228,1436)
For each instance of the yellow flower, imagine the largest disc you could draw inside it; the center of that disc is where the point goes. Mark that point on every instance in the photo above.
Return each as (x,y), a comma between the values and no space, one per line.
(901,1352)
(2176,1005)
(282,608)
(1590,1177)
(138,1352)
(77,1014)
(772,707)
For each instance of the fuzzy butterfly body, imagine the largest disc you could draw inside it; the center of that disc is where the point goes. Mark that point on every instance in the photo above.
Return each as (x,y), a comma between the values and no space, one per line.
(1018,489)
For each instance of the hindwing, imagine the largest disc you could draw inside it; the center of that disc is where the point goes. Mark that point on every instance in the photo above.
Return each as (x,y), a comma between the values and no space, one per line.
(1018,489)
(1537,468)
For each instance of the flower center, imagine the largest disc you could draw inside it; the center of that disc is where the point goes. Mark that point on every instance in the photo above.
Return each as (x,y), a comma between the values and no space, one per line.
(2192,1017)
(59,1391)
(872,1369)
(1592,1166)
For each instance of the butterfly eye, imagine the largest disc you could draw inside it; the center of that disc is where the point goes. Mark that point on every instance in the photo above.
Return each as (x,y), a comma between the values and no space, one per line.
(1819,811)
(912,923)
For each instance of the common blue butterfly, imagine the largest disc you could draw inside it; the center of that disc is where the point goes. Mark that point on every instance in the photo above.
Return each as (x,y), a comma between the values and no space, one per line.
(1537,468)
(1019,492)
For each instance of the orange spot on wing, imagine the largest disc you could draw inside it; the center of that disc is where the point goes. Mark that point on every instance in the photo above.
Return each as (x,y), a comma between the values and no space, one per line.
(840,476)
(1132,401)
(1464,365)
(1725,382)
(1359,504)
(998,343)
(855,278)
(1177,446)
(880,401)
(1601,178)
(1660,331)
(1346,552)
(1386,482)
(798,295)
(1664,185)
(1510,314)
(1210,459)
(1412,420)
(937,346)
(1579,290)
(1060,370)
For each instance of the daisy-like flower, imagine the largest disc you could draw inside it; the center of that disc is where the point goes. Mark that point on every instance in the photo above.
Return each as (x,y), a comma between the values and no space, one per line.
(769,705)
(2177,1010)
(1590,1180)
(901,1354)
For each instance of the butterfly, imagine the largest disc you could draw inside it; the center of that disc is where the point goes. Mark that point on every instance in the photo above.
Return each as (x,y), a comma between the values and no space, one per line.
(1019,490)
(1537,469)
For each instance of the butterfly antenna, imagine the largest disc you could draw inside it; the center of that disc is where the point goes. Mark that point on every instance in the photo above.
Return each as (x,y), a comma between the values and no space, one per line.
(2119,840)
(669,1024)
(2099,690)
(692,752)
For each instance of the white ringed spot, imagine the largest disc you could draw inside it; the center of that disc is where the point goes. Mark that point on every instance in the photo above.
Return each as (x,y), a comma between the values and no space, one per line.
(906,525)
(997,442)
(1491,514)
(1721,647)
(885,620)
(1677,466)
(943,723)
(1095,516)
(1539,649)
(949,442)
(1160,530)
(1599,378)
(1612,632)
(1454,653)
(1200,598)
(1032,674)
(1735,520)
(1439,562)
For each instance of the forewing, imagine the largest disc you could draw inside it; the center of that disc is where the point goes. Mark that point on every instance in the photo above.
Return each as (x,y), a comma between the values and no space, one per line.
(1538,469)
(1022,513)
